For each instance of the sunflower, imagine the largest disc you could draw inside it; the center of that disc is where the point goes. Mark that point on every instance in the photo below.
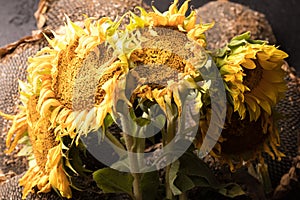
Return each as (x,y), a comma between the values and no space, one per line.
(157,47)
(48,113)
(244,141)
(252,73)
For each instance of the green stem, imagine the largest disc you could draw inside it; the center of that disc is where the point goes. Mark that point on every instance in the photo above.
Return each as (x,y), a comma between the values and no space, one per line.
(137,190)
(169,194)
(183,196)
(135,145)
(117,144)
(168,138)
(114,140)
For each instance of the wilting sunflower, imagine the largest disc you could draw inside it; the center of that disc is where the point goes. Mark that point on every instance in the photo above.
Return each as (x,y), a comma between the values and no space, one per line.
(252,72)
(164,45)
(244,141)
(254,81)
(47,112)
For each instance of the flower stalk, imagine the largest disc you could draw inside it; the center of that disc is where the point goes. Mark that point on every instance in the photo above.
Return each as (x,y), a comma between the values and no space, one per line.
(135,145)
(167,138)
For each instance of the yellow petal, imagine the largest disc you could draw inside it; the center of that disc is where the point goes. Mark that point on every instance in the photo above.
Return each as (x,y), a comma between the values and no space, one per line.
(267,65)
(184,7)
(59,180)
(190,21)
(175,20)
(249,64)
(158,19)
(173,8)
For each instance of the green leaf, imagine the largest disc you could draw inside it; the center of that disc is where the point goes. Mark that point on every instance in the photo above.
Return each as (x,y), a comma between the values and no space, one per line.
(239,40)
(172,176)
(142,121)
(200,181)
(108,121)
(243,36)
(191,165)
(231,190)
(150,183)
(258,41)
(184,183)
(220,52)
(113,181)
(189,172)
(235,43)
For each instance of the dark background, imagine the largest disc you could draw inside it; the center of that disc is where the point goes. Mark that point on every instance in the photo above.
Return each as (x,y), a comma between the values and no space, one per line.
(17,20)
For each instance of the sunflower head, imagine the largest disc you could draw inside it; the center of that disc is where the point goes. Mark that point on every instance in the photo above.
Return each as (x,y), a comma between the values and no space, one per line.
(155,45)
(48,111)
(252,73)
(245,140)
(174,18)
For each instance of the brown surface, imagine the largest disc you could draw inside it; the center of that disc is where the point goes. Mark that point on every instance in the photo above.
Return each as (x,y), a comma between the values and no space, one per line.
(232,19)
